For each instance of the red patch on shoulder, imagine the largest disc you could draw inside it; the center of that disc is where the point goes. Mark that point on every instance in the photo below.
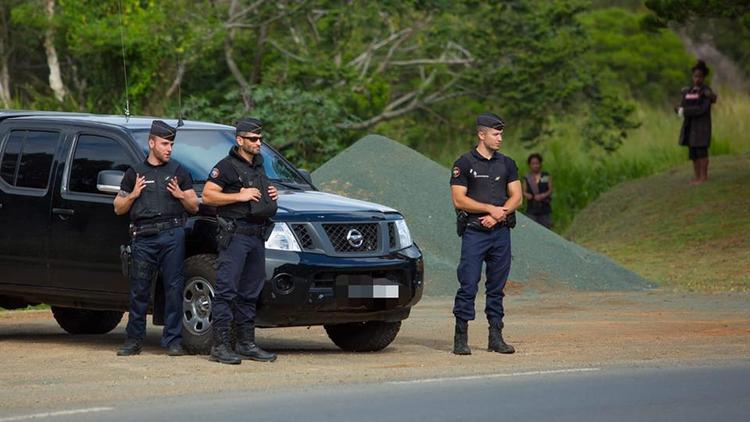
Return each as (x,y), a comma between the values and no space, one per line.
(456,171)
(215,173)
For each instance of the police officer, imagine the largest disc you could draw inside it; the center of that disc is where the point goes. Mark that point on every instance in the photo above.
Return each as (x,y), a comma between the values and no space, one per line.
(239,187)
(486,190)
(156,192)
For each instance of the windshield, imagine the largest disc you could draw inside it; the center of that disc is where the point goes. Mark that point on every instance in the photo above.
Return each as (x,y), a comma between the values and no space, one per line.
(199,150)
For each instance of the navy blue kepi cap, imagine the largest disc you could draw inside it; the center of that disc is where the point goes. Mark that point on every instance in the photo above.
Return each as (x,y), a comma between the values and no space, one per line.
(249,124)
(161,129)
(490,120)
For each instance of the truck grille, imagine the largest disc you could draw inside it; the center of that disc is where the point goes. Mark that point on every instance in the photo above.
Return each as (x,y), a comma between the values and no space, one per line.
(303,236)
(391,235)
(361,237)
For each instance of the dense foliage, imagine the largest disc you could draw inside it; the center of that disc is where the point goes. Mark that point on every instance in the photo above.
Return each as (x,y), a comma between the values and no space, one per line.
(320,72)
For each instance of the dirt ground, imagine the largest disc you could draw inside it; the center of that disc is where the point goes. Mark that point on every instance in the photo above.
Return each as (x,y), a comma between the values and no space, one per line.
(45,368)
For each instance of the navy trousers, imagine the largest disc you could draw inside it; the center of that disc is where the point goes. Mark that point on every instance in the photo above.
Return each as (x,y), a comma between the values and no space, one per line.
(240,277)
(166,252)
(478,247)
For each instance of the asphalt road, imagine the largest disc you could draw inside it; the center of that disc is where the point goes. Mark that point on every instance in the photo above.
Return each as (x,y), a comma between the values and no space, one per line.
(575,394)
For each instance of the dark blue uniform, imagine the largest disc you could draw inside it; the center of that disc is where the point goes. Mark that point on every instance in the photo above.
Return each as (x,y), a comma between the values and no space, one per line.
(159,244)
(486,181)
(241,270)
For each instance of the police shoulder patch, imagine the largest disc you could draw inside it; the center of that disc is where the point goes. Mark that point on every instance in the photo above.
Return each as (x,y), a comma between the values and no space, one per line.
(456,171)
(215,173)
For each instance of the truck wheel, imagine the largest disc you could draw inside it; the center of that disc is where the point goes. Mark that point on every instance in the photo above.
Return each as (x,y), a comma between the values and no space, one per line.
(200,279)
(86,321)
(371,336)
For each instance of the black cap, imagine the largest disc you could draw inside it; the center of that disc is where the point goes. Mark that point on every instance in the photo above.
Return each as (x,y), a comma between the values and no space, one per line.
(490,120)
(249,124)
(161,129)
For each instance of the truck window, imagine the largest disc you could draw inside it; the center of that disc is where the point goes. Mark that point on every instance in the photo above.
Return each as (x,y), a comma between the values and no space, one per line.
(33,159)
(10,156)
(93,154)
(199,150)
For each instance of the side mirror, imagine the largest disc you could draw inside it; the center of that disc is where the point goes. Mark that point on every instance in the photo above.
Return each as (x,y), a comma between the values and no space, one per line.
(306,175)
(109,181)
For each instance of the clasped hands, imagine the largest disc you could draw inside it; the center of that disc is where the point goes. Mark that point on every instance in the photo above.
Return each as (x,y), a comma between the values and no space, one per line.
(496,215)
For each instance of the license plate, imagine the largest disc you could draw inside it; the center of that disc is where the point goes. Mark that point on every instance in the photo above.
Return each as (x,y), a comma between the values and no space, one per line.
(373,292)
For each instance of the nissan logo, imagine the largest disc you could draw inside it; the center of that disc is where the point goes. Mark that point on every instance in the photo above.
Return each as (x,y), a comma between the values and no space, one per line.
(355,238)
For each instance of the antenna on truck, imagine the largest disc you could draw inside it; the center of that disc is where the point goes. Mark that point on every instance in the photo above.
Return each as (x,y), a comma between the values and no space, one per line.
(124,63)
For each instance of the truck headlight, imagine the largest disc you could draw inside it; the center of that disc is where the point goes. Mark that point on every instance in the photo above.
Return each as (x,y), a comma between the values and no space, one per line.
(282,239)
(404,236)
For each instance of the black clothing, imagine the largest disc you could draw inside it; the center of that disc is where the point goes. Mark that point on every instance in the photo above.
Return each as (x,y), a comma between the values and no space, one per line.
(158,245)
(534,206)
(163,130)
(240,277)
(241,269)
(486,180)
(227,175)
(695,153)
(696,110)
(156,203)
(161,252)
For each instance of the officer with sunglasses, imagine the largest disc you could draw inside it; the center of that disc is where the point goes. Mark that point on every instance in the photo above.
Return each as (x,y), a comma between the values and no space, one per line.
(245,201)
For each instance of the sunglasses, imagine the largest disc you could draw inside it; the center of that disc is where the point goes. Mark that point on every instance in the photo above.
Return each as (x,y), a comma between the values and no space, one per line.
(252,138)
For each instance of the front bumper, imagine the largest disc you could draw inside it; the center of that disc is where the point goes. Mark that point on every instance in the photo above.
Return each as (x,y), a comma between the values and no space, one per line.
(314,289)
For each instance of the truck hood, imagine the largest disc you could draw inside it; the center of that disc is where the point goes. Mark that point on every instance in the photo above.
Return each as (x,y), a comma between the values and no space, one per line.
(316,202)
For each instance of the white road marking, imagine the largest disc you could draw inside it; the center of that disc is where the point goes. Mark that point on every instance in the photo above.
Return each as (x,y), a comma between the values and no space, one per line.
(489,376)
(53,414)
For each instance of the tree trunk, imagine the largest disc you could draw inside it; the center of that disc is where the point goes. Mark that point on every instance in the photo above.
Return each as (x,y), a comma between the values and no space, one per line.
(5,98)
(55,76)
(232,64)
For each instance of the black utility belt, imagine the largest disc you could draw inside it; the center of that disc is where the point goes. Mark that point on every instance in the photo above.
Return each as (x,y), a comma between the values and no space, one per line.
(510,221)
(150,229)
(252,230)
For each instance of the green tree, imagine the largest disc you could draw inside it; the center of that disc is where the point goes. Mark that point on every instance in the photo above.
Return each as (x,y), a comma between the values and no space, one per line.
(647,65)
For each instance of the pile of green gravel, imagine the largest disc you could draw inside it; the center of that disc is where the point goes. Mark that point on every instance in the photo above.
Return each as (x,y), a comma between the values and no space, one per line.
(381,170)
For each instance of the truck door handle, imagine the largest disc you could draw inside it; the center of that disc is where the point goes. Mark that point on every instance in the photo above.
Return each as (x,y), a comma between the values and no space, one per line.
(63,211)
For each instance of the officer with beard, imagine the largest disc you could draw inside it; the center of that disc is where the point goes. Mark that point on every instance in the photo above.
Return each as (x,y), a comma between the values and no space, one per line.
(156,193)
(239,188)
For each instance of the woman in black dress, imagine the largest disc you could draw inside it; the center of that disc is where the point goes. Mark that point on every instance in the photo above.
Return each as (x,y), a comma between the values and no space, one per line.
(695,108)
(537,188)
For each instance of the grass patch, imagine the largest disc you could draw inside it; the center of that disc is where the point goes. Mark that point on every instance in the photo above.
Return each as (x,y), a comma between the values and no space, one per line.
(39,307)
(693,237)
(581,174)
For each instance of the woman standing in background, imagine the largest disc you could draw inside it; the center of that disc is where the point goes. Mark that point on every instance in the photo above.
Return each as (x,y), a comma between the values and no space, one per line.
(537,188)
(695,108)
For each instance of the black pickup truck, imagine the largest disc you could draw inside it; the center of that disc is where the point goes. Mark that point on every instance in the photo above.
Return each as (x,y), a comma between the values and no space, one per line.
(348,265)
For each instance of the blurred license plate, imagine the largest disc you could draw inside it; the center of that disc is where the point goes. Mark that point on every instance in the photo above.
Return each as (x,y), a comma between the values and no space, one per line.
(373,292)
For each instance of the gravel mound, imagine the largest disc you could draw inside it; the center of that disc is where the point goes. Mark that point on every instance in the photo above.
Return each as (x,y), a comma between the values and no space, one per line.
(381,170)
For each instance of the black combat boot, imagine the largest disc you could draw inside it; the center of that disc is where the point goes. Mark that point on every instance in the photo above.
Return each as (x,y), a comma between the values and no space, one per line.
(130,348)
(495,343)
(246,347)
(461,338)
(221,351)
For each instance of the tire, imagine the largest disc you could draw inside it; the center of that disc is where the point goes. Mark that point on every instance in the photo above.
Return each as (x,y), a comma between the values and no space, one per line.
(371,336)
(86,321)
(197,296)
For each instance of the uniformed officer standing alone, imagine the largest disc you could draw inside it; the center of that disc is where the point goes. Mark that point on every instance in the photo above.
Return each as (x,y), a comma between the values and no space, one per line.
(486,192)
(156,192)
(239,187)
